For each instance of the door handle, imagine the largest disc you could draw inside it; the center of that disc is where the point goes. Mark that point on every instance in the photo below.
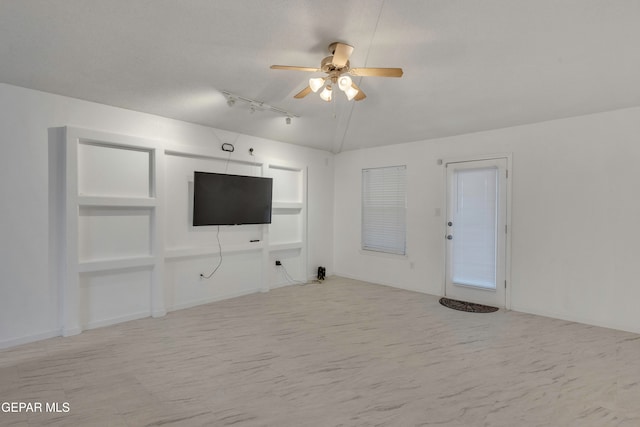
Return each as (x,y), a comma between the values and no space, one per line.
(449,237)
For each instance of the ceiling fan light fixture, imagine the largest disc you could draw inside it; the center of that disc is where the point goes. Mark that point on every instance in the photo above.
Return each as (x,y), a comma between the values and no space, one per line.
(316,83)
(338,70)
(351,92)
(326,94)
(344,83)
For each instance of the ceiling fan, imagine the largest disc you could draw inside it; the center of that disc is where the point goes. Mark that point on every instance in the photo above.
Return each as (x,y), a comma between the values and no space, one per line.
(338,68)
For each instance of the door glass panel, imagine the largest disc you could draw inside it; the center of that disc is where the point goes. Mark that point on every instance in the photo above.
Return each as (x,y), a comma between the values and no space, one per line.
(474,227)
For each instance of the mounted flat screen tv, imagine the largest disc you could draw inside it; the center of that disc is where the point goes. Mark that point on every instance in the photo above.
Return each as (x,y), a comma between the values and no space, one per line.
(221,199)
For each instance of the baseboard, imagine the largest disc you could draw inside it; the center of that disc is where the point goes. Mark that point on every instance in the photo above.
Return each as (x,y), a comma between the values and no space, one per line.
(29,339)
(575,319)
(382,283)
(159,313)
(279,285)
(517,308)
(71,332)
(284,284)
(195,303)
(116,320)
(310,279)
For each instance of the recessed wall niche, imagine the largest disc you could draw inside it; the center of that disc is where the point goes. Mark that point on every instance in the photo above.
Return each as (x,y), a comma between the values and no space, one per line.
(108,170)
(288,184)
(101,294)
(110,232)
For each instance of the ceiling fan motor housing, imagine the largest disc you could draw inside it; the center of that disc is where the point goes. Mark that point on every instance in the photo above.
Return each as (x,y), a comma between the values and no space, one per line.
(329,67)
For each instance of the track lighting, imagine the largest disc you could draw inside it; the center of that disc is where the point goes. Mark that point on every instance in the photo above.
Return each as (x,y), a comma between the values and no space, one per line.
(255,105)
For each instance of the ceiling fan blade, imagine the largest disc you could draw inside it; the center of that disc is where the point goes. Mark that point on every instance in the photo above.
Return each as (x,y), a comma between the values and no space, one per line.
(341,54)
(360,95)
(304,92)
(294,68)
(376,72)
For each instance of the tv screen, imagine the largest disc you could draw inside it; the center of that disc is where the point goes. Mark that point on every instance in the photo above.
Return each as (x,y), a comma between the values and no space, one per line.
(221,199)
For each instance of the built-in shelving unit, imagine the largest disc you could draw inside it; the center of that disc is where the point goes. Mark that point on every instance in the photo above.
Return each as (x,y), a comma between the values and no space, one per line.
(208,251)
(113,229)
(115,264)
(286,246)
(288,231)
(129,248)
(131,202)
(287,205)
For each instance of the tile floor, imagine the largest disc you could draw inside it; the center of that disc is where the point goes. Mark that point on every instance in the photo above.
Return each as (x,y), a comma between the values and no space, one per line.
(340,353)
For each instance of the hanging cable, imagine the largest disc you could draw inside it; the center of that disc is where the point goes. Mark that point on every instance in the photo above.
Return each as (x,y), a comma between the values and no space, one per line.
(208,276)
(226,165)
(288,276)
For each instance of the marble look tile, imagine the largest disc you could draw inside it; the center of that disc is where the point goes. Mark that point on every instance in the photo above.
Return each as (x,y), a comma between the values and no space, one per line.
(341,353)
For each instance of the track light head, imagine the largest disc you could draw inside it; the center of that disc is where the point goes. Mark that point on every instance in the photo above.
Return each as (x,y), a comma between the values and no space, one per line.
(255,105)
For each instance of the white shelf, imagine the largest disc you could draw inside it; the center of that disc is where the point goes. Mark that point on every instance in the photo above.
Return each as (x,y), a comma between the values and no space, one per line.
(129,202)
(285,246)
(287,205)
(212,250)
(115,264)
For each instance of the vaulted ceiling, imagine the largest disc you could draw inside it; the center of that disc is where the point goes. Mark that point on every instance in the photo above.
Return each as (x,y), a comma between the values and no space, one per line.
(468,65)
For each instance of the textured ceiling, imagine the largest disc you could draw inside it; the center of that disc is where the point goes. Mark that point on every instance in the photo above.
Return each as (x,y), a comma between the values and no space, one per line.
(468,65)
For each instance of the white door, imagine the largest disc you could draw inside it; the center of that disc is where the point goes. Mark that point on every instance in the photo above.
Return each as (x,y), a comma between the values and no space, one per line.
(476,231)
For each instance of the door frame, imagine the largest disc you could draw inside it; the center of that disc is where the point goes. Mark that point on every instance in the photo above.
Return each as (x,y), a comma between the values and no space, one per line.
(507,249)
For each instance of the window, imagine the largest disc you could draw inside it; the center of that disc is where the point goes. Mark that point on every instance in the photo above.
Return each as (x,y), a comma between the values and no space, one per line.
(384,209)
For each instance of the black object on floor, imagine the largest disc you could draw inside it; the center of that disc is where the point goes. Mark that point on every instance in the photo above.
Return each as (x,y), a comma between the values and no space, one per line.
(467,306)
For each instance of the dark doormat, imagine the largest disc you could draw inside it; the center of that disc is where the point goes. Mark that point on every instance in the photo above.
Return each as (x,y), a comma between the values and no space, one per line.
(467,306)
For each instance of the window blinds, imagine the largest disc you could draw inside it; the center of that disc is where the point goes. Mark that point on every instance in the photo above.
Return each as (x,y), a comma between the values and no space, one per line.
(384,209)
(475,224)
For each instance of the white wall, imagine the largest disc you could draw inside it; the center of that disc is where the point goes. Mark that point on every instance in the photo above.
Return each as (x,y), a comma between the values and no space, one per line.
(29,294)
(575,228)
(575,215)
